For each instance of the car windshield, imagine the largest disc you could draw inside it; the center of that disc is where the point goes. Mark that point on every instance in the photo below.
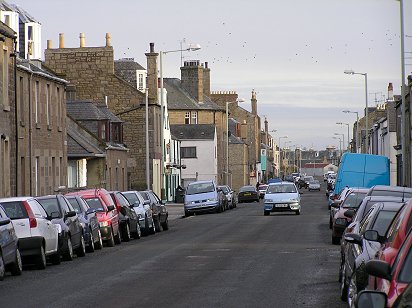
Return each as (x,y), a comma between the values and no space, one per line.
(353,200)
(308,178)
(15,210)
(132,198)
(50,205)
(247,188)
(75,205)
(224,189)
(200,188)
(314,182)
(382,221)
(95,203)
(281,188)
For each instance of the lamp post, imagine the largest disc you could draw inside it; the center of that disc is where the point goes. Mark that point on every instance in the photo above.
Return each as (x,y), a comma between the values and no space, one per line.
(347,124)
(351,72)
(280,155)
(193,47)
(343,140)
(340,145)
(238,100)
(357,127)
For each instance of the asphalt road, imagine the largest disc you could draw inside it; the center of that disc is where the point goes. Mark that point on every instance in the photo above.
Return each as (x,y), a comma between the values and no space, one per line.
(238,258)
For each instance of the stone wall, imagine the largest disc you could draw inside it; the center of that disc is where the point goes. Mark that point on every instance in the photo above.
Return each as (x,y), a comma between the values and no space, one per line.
(238,165)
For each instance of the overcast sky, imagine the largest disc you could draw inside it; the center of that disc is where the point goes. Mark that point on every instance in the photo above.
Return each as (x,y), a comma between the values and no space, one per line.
(293,53)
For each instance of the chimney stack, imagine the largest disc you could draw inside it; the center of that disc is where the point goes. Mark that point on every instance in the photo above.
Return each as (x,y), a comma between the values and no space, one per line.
(206,80)
(82,40)
(254,102)
(390,92)
(108,40)
(61,40)
(192,79)
(49,44)
(266,125)
(152,75)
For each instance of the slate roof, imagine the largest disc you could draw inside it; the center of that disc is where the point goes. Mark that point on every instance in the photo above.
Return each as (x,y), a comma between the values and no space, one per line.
(193,131)
(86,110)
(127,64)
(179,99)
(24,16)
(37,67)
(4,6)
(103,108)
(235,140)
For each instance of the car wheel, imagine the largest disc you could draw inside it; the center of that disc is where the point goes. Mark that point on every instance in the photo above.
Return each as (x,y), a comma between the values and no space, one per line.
(99,243)
(41,259)
(297,212)
(17,266)
(90,247)
(330,222)
(343,285)
(266,213)
(335,240)
(56,258)
(118,237)
(352,290)
(138,234)
(165,225)
(2,268)
(81,250)
(110,242)
(126,233)
(152,229)
(68,256)
(187,214)
(157,225)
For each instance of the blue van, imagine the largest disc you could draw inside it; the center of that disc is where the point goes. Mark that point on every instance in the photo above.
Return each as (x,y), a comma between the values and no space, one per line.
(362,170)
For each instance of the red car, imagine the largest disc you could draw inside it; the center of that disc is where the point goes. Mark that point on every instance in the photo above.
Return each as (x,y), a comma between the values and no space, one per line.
(396,235)
(100,200)
(396,277)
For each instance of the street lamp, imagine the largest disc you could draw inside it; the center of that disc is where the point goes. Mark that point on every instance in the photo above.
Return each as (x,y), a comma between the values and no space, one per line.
(347,124)
(351,72)
(192,47)
(280,155)
(357,127)
(343,139)
(340,145)
(238,100)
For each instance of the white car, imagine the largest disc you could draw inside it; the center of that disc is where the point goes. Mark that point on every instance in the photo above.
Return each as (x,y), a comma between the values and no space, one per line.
(314,185)
(282,197)
(38,236)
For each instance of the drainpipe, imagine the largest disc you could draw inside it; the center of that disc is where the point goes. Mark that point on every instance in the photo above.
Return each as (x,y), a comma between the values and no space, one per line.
(14,55)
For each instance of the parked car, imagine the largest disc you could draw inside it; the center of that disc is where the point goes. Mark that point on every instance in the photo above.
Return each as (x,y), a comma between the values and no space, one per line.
(203,196)
(10,258)
(396,276)
(394,191)
(336,200)
(129,221)
(159,210)
(340,221)
(89,222)
(363,248)
(230,196)
(60,212)
(281,197)
(100,200)
(262,190)
(304,182)
(314,185)
(289,178)
(143,210)
(247,193)
(38,237)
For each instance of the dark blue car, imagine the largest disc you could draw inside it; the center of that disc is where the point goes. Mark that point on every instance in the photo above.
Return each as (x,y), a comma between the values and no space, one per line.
(9,251)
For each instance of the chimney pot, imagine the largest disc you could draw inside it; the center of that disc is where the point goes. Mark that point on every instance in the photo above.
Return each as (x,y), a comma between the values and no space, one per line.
(108,40)
(82,40)
(61,40)
(206,65)
(151,47)
(49,44)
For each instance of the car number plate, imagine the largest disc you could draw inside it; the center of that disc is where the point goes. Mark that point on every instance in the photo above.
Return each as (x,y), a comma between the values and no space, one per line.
(281,205)
(248,194)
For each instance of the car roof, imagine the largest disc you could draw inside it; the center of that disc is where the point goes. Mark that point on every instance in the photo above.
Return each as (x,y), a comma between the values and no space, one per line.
(200,182)
(389,205)
(283,182)
(384,198)
(10,199)
(390,188)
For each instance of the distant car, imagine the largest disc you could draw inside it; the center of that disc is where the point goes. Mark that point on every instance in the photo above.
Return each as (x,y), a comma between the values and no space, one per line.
(159,210)
(143,210)
(129,221)
(262,190)
(100,200)
(247,193)
(304,182)
(282,197)
(289,178)
(60,212)
(10,258)
(88,220)
(314,185)
(203,196)
(38,237)
(230,195)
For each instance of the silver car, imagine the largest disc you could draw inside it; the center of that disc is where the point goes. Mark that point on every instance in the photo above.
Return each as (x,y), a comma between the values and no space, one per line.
(282,197)
(314,185)
(143,210)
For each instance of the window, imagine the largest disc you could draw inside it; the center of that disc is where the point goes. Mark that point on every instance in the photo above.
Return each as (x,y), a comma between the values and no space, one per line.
(59,106)
(103,130)
(188,152)
(140,81)
(187,118)
(7,20)
(21,99)
(36,101)
(116,133)
(48,107)
(5,79)
(194,117)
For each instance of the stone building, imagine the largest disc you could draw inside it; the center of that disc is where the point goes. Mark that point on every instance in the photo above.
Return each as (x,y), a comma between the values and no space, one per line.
(238,157)
(96,154)
(41,129)
(8,138)
(91,71)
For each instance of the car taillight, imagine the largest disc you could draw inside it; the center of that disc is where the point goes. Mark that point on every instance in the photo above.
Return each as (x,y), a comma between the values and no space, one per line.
(32,219)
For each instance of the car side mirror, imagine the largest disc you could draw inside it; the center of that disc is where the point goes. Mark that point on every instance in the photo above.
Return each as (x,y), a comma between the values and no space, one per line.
(373,235)
(71,214)
(110,208)
(4,221)
(349,213)
(54,215)
(379,269)
(371,299)
(353,238)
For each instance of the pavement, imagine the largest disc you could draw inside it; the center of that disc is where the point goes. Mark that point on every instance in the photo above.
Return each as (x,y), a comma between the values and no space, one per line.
(176,210)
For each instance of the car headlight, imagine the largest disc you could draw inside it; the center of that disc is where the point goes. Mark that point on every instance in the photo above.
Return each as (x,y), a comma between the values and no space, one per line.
(212,200)
(268,200)
(104,224)
(340,221)
(188,202)
(294,200)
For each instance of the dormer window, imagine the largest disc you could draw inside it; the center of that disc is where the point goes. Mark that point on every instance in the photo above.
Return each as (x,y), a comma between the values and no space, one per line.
(187,118)
(103,130)
(117,132)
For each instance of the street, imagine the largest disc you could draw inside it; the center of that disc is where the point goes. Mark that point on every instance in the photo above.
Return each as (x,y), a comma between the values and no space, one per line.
(238,258)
